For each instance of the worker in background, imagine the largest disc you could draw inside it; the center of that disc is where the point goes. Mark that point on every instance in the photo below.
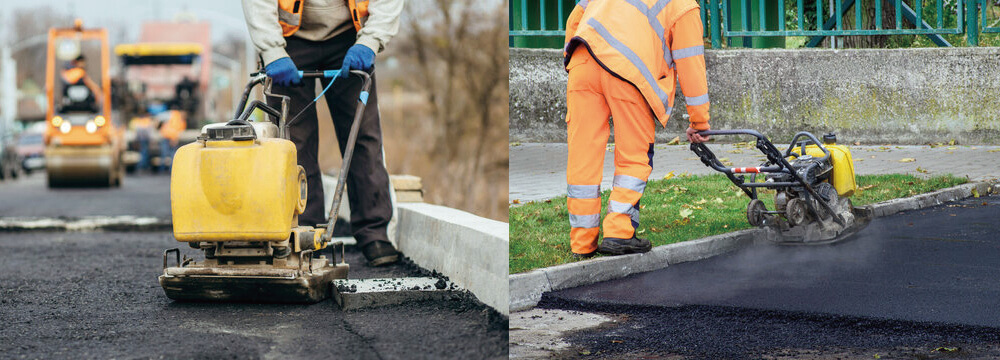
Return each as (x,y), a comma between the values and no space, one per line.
(142,125)
(324,35)
(624,59)
(76,75)
(170,131)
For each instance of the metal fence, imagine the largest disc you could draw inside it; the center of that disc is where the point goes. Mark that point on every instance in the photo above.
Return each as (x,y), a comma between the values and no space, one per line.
(541,23)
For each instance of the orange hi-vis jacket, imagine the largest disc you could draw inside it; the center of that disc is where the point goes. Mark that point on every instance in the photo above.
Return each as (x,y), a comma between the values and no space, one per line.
(74,75)
(650,44)
(290,14)
(174,126)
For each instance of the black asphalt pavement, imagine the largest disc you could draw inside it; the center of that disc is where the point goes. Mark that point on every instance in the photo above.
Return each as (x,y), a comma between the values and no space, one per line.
(96,295)
(916,282)
(140,195)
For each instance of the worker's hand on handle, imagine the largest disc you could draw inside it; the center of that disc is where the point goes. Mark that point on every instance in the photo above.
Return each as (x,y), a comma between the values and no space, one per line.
(283,72)
(694,137)
(359,57)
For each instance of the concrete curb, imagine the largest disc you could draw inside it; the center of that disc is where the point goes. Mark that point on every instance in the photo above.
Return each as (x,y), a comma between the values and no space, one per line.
(526,289)
(87,223)
(472,251)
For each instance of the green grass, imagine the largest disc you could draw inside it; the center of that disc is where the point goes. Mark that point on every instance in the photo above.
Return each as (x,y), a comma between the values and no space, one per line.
(540,230)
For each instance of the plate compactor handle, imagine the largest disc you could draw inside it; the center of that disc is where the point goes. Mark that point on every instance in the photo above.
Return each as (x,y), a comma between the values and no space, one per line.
(359,112)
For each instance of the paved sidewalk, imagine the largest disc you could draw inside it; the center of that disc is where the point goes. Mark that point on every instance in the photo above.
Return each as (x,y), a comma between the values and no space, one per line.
(538,170)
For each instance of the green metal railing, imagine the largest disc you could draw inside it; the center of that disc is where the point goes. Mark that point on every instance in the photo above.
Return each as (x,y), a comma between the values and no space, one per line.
(749,23)
(990,17)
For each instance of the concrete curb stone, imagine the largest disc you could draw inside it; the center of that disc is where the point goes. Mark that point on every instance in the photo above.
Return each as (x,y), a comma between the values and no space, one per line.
(526,289)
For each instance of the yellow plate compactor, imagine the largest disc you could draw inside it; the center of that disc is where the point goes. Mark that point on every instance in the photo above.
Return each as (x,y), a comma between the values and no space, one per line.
(812,181)
(236,195)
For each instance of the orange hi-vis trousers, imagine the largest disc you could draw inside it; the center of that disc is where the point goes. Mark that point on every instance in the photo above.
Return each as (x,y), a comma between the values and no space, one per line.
(594,95)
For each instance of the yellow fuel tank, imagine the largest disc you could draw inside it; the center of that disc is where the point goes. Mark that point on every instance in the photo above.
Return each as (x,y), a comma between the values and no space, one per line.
(236,190)
(842,178)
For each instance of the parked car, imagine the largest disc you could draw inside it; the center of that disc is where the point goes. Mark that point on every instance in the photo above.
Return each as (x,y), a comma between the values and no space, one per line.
(10,161)
(31,148)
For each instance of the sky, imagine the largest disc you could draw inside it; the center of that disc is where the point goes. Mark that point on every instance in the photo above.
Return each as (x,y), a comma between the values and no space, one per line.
(226,16)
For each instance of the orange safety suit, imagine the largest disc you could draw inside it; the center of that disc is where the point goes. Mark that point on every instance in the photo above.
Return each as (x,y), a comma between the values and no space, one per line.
(624,59)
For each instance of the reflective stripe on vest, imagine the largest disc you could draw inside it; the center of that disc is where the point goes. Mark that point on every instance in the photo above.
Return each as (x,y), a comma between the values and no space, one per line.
(631,57)
(655,24)
(289,16)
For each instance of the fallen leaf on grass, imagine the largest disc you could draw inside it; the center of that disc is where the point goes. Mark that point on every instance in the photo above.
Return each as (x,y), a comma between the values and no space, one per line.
(675,141)
(516,201)
(866,187)
(906,160)
(686,213)
(668,176)
(718,200)
(922,170)
(702,201)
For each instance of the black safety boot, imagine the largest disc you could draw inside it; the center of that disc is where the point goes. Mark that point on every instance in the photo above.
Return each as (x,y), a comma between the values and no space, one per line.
(616,246)
(380,253)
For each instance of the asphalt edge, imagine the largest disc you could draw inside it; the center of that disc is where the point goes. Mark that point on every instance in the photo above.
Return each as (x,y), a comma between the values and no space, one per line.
(526,289)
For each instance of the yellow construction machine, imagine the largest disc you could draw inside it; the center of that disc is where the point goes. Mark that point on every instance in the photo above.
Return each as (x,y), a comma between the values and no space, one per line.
(83,145)
(236,194)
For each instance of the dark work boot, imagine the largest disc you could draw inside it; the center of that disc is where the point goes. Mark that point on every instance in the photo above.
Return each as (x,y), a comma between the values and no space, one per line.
(616,246)
(380,253)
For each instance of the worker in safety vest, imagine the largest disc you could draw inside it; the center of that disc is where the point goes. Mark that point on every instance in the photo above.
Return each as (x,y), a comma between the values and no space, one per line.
(324,35)
(75,76)
(143,127)
(170,131)
(624,59)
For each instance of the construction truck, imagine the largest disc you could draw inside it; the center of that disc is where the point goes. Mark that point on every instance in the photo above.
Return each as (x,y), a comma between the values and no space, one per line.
(152,114)
(83,143)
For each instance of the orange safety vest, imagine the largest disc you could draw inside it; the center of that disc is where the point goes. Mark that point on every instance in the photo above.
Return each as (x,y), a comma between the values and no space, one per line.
(630,39)
(73,75)
(174,126)
(290,14)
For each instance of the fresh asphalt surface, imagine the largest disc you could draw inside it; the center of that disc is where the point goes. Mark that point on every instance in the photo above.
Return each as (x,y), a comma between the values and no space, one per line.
(140,195)
(96,295)
(924,283)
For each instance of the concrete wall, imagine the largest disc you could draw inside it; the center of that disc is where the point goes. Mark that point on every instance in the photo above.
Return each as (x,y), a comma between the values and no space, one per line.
(905,96)
(472,251)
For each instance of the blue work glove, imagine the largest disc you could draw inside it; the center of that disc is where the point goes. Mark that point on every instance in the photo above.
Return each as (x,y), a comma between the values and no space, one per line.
(283,72)
(359,57)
